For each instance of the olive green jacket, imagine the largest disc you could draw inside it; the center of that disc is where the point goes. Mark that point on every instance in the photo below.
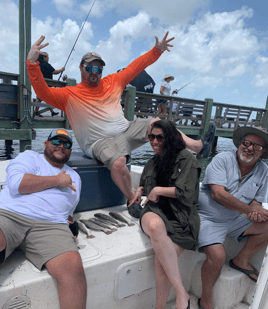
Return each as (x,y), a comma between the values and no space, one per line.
(185,179)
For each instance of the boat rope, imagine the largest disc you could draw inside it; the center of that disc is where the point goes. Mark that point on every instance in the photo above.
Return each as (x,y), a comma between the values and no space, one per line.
(77,37)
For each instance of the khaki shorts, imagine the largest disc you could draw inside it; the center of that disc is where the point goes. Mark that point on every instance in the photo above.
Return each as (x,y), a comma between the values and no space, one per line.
(108,150)
(39,240)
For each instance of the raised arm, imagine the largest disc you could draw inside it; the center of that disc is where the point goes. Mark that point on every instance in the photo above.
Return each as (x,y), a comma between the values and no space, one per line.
(35,50)
(163,45)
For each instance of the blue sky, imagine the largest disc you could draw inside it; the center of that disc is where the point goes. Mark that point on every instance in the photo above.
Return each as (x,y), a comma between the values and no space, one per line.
(221,45)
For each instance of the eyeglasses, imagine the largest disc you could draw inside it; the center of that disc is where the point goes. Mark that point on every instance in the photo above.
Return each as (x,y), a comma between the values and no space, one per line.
(58,142)
(91,69)
(160,138)
(256,147)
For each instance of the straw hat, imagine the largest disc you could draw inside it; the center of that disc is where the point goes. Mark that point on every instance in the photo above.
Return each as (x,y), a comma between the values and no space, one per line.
(167,76)
(242,131)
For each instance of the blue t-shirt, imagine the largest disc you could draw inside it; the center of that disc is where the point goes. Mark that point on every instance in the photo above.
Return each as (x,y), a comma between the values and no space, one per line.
(224,171)
(53,205)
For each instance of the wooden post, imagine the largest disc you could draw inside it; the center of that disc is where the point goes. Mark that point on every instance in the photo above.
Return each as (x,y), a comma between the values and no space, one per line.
(130,103)
(266,118)
(218,115)
(24,84)
(209,105)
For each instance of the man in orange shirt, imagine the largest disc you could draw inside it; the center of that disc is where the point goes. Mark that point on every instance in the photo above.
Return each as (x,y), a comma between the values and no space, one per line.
(95,113)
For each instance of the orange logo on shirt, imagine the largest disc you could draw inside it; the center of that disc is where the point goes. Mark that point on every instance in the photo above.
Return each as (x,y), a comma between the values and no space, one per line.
(63,132)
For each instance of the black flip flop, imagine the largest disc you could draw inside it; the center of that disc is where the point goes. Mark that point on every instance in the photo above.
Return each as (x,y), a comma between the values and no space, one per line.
(245,271)
(207,140)
(198,303)
(134,210)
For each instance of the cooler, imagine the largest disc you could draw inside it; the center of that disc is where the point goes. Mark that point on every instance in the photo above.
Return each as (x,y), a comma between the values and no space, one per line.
(98,188)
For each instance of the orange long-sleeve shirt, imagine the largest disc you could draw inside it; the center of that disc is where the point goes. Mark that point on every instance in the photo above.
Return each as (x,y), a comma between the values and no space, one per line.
(93,112)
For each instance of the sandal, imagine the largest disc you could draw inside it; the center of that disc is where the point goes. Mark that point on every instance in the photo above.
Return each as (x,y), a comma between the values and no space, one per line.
(245,271)
(134,210)
(198,303)
(207,140)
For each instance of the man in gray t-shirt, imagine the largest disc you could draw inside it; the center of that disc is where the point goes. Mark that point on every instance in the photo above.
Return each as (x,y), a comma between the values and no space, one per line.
(230,204)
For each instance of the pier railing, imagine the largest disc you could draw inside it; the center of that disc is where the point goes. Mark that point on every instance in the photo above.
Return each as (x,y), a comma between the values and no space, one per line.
(193,116)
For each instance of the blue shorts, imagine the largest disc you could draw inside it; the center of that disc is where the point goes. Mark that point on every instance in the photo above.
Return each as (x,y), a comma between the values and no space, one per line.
(215,232)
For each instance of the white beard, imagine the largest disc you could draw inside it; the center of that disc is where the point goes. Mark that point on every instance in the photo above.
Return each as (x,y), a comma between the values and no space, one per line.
(243,159)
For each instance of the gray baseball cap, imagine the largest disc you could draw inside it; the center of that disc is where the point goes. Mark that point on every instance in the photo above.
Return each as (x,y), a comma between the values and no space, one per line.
(88,57)
(60,133)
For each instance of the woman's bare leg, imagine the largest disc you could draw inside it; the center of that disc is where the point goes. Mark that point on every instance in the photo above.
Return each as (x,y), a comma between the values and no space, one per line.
(167,254)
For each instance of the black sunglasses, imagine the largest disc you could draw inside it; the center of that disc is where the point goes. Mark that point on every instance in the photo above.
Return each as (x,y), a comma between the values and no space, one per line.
(91,69)
(160,138)
(58,142)
(256,147)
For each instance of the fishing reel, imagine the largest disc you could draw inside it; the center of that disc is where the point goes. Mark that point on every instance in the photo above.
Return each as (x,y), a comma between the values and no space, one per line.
(64,77)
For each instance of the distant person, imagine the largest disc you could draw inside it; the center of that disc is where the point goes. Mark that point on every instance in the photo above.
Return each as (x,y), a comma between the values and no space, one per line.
(175,104)
(37,202)
(170,180)
(48,71)
(230,204)
(94,110)
(165,89)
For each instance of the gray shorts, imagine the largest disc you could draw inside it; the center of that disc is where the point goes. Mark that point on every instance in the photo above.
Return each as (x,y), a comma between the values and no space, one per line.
(215,232)
(39,240)
(109,149)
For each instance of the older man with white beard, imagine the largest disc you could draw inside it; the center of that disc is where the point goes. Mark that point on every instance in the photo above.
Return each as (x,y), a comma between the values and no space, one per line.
(230,204)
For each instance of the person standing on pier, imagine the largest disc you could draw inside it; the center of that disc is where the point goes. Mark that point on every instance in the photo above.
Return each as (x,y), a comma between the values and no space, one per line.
(48,71)
(230,204)
(165,89)
(94,110)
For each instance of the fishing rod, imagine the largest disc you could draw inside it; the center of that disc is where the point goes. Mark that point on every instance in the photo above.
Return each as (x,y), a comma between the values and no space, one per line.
(77,37)
(189,83)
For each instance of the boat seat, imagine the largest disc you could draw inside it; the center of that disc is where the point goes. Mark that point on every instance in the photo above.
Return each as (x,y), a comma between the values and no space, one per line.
(232,287)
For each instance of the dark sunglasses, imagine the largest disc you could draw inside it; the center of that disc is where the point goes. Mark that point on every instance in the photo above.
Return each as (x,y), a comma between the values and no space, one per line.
(91,69)
(58,142)
(160,138)
(257,147)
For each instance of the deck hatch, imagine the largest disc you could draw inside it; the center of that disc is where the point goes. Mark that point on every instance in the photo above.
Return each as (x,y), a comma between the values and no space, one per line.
(18,302)
(134,277)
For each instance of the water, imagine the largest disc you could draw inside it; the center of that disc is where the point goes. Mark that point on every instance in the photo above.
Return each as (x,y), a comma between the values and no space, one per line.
(139,156)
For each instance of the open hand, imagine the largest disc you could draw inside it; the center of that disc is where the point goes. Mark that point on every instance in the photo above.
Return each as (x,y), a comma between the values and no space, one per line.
(163,45)
(35,50)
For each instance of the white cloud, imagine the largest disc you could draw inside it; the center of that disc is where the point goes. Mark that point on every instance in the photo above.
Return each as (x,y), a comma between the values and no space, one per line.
(261,77)
(64,6)
(118,48)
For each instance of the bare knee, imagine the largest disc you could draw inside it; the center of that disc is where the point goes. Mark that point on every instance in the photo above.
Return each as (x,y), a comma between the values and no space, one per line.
(119,165)
(67,267)
(216,256)
(155,229)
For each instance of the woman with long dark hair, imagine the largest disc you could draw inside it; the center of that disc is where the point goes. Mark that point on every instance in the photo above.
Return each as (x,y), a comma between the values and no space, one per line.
(170,180)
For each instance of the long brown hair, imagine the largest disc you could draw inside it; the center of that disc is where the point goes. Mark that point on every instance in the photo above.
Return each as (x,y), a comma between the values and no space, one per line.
(173,144)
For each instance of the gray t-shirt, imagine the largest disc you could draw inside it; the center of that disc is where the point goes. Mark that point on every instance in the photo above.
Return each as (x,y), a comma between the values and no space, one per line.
(224,171)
